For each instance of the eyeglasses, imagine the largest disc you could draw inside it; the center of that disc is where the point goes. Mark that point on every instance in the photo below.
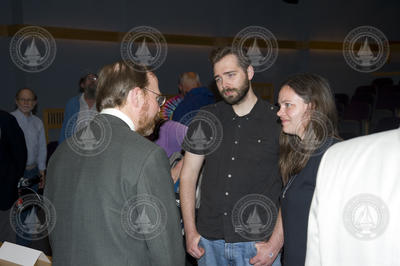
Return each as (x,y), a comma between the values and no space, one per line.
(26,100)
(160,98)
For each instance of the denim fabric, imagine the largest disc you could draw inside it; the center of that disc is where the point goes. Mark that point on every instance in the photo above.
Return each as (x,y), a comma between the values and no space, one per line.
(220,253)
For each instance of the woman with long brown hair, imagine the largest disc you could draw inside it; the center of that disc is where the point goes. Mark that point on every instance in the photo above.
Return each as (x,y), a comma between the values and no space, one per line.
(309,126)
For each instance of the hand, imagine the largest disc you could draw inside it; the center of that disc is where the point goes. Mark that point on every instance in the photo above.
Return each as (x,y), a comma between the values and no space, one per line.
(266,254)
(192,245)
(42,179)
(176,171)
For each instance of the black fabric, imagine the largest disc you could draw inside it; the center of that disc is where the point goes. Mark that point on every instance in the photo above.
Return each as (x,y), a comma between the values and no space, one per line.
(253,141)
(13,158)
(295,203)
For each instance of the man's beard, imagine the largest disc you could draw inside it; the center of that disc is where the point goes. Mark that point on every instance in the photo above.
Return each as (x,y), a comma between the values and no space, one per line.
(90,92)
(241,93)
(146,124)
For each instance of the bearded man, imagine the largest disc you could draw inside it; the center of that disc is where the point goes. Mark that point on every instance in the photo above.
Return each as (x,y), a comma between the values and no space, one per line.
(111,187)
(241,184)
(81,107)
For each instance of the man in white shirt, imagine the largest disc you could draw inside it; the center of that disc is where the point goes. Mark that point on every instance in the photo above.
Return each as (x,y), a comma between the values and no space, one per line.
(33,129)
(354,217)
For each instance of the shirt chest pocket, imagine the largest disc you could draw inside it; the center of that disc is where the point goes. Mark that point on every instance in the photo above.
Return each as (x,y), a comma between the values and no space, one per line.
(260,149)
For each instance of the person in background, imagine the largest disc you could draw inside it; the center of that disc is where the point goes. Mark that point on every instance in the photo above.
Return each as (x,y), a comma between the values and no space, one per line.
(79,106)
(195,96)
(35,137)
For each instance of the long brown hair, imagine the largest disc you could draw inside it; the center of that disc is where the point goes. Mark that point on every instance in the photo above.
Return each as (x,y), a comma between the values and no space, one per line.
(322,124)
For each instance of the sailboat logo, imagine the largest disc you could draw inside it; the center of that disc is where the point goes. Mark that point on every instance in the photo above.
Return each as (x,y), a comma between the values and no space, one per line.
(366,49)
(199,139)
(144,46)
(32,224)
(143,224)
(143,217)
(254,216)
(254,54)
(143,55)
(258,45)
(366,216)
(87,133)
(32,49)
(204,132)
(33,217)
(87,139)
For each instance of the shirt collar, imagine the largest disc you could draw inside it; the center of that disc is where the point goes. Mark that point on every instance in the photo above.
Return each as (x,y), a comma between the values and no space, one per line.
(256,111)
(21,115)
(120,115)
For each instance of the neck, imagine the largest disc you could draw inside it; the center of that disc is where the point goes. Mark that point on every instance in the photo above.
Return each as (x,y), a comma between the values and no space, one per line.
(124,109)
(90,101)
(25,113)
(246,104)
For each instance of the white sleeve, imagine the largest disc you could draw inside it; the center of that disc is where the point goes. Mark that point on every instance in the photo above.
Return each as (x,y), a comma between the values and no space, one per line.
(313,255)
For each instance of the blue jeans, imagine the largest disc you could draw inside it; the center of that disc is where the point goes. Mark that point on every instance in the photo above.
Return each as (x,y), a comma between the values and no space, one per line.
(220,253)
(28,174)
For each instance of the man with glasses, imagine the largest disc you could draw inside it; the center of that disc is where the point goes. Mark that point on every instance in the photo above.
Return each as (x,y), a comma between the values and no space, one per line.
(116,207)
(35,139)
(80,108)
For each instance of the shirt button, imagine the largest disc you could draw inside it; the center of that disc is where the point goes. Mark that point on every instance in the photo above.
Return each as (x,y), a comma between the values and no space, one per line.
(259,141)
(236,142)
(233,158)
(225,214)
(226,193)
(247,118)
(229,175)
(238,126)
(272,108)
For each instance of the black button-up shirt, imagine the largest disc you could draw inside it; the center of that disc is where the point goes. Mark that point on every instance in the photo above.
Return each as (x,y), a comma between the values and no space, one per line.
(244,163)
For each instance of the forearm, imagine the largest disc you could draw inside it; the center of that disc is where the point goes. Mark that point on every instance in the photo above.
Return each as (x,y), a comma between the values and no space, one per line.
(276,240)
(188,197)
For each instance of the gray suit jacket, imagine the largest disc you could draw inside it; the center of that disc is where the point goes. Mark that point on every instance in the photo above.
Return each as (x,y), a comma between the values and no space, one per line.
(90,195)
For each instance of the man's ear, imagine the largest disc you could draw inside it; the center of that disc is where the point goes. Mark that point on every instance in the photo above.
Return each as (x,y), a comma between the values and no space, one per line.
(135,97)
(250,72)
